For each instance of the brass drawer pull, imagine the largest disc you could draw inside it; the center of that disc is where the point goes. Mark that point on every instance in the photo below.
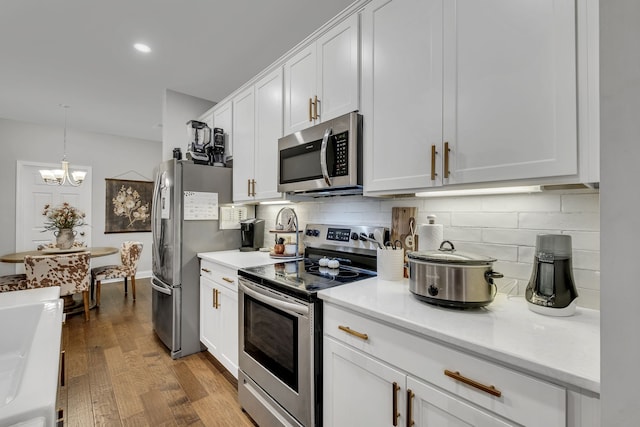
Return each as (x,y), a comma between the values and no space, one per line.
(354,333)
(446,159)
(410,396)
(310,109)
(433,163)
(486,388)
(206,270)
(396,414)
(226,279)
(315,107)
(248,188)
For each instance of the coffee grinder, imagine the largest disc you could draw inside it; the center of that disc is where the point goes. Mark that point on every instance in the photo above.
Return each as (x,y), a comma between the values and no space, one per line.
(551,289)
(218,147)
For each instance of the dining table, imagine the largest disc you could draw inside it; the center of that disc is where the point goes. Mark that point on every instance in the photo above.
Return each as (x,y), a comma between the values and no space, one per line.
(71,306)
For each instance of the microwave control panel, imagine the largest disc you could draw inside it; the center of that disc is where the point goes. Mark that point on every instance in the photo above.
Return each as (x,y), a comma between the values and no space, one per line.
(341,147)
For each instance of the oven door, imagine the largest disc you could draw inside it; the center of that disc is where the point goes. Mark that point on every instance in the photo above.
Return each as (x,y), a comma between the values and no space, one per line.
(276,347)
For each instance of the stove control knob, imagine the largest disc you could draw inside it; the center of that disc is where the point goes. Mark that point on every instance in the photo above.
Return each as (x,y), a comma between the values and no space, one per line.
(323,261)
(432,290)
(371,236)
(333,263)
(354,236)
(363,236)
(316,233)
(308,233)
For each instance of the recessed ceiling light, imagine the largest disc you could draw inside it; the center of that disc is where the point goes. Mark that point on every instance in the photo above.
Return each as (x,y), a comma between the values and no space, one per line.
(141,47)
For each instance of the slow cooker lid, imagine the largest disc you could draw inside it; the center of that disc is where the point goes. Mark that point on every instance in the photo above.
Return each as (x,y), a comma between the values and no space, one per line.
(450,255)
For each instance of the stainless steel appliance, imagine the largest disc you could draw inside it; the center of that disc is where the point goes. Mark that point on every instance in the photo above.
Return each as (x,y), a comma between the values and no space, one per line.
(280,322)
(184,223)
(551,289)
(252,234)
(325,159)
(450,278)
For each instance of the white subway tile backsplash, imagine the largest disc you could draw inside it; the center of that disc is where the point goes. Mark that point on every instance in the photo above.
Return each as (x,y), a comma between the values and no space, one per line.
(482,219)
(581,203)
(522,203)
(560,221)
(586,260)
(501,226)
(587,240)
(511,236)
(463,234)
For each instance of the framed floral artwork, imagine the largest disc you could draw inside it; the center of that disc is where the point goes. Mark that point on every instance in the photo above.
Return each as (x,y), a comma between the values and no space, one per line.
(128,206)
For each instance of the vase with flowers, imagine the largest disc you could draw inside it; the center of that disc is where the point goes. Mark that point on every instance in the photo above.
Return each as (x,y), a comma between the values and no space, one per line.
(62,220)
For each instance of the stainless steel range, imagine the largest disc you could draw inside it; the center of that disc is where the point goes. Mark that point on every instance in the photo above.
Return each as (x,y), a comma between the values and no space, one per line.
(280,322)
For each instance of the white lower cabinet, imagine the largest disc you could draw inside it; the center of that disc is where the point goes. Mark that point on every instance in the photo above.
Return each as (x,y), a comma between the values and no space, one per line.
(219,313)
(378,375)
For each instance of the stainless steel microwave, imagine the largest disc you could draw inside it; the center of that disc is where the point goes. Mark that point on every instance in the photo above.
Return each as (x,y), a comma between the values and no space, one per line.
(323,160)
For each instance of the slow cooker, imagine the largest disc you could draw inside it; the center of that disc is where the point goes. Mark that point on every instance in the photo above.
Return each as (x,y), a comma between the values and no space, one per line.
(450,278)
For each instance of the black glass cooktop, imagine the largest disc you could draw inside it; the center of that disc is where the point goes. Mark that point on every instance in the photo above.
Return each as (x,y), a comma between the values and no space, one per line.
(306,277)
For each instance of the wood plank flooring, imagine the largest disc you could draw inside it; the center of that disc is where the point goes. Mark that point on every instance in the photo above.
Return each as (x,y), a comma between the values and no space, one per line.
(118,373)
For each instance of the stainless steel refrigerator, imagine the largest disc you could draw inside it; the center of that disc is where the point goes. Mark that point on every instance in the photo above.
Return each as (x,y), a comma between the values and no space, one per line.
(185,208)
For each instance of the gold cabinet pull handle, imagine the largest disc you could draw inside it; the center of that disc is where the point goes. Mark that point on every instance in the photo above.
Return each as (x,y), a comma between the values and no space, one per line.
(410,396)
(206,270)
(253,187)
(433,163)
(486,388)
(315,107)
(248,188)
(354,333)
(310,109)
(213,299)
(396,389)
(228,280)
(446,159)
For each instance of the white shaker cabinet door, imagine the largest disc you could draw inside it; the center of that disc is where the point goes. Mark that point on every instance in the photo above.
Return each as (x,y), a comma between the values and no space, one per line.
(300,88)
(337,70)
(228,306)
(359,390)
(243,136)
(268,93)
(210,319)
(402,94)
(510,89)
(223,119)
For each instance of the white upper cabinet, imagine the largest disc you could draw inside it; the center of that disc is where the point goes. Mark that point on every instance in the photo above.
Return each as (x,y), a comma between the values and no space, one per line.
(468,91)
(510,89)
(321,81)
(402,87)
(222,118)
(257,125)
(244,139)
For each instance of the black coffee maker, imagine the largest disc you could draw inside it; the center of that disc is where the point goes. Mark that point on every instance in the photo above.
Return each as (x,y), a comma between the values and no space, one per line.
(551,289)
(252,234)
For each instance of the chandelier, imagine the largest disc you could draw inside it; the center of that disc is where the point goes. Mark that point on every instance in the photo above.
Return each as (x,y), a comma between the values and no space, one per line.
(62,176)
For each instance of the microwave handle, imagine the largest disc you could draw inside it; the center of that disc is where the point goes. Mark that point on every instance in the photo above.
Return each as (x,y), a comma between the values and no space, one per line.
(323,156)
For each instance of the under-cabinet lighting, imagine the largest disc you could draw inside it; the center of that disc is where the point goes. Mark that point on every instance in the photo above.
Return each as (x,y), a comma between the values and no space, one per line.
(276,202)
(141,47)
(482,191)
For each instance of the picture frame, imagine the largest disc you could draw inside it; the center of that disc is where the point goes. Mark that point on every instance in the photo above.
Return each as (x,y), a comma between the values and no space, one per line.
(127,206)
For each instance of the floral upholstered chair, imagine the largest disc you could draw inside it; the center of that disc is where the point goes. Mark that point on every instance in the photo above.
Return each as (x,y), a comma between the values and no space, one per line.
(69,271)
(129,255)
(13,282)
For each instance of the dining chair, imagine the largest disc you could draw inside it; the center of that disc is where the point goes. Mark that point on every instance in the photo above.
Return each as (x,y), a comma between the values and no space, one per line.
(69,271)
(129,256)
(13,282)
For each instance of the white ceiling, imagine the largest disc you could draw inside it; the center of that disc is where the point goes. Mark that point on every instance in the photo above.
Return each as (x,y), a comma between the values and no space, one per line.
(79,53)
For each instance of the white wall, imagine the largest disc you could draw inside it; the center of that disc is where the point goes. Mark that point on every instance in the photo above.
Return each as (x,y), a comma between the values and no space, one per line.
(178,109)
(504,227)
(620,180)
(109,156)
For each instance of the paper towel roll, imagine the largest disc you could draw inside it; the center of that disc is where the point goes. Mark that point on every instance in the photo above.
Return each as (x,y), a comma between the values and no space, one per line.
(430,236)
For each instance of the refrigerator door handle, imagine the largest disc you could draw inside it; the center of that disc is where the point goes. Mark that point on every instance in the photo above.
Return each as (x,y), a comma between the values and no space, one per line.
(161,289)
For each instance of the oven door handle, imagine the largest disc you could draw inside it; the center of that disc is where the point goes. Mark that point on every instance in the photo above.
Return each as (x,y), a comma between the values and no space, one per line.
(323,156)
(289,307)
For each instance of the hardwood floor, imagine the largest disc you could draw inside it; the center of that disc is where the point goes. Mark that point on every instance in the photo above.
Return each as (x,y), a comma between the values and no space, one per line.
(118,373)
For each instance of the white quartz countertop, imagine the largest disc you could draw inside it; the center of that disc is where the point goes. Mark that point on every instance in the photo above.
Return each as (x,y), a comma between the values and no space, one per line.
(236,259)
(563,350)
